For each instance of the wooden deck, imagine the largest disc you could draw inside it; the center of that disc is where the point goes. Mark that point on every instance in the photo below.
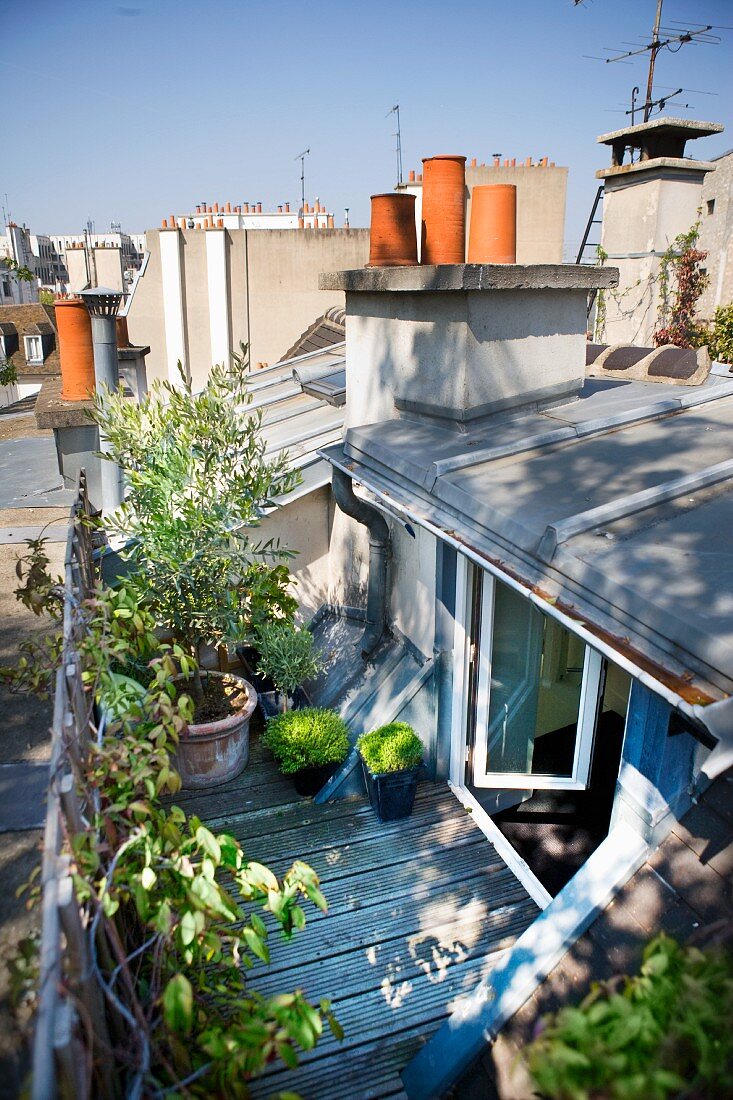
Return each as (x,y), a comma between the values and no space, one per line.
(419,910)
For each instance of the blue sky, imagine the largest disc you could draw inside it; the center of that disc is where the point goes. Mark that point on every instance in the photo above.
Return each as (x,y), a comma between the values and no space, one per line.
(130,111)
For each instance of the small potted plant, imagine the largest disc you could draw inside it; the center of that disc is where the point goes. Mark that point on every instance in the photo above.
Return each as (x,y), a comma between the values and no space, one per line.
(286,659)
(308,744)
(391,758)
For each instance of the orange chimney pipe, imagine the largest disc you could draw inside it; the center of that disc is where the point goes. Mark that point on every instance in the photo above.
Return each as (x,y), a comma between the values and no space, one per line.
(392,233)
(492,237)
(76,352)
(444,210)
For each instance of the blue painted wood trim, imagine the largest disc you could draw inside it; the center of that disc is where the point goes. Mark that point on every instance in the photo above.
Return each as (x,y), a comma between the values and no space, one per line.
(478,1017)
(666,761)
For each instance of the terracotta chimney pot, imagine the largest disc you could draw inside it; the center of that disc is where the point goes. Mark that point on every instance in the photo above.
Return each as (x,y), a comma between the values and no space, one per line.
(165,223)
(301,223)
(419,177)
(220,223)
(497,162)
(444,210)
(544,162)
(228,208)
(528,162)
(259,207)
(76,352)
(287,207)
(514,162)
(330,221)
(473,162)
(198,209)
(123,336)
(492,236)
(392,234)
(411,176)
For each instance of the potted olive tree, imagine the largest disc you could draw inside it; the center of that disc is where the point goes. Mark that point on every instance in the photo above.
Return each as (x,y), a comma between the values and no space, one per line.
(391,758)
(197,483)
(287,659)
(308,744)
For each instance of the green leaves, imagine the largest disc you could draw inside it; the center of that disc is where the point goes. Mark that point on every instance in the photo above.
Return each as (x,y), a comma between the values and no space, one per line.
(198,481)
(178,1005)
(667,1031)
(286,654)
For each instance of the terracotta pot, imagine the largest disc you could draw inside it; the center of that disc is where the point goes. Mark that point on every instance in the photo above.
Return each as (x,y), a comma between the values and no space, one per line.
(444,210)
(392,235)
(210,753)
(74,327)
(492,236)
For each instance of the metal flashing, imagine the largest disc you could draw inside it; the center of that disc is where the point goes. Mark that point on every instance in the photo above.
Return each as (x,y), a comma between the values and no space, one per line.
(564,530)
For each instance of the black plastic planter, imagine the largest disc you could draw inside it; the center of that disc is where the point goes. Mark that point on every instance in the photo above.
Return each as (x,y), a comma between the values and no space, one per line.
(391,794)
(249,659)
(308,781)
(268,701)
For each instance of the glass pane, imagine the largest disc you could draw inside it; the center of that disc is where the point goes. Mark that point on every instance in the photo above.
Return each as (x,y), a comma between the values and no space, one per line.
(536,676)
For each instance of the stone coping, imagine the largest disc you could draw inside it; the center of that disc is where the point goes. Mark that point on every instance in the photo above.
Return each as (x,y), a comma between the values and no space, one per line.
(471,277)
(52,411)
(688,126)
(654,164)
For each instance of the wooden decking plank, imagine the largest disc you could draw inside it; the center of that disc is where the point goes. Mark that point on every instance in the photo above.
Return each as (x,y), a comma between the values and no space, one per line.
(367,855)
(366,967)
(367,1016)
(398,879)
(370,1073)
(431,800)
(430,829)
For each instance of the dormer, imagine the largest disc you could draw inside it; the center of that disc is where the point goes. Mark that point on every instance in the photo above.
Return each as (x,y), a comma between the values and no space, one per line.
(8,340)
(39,341)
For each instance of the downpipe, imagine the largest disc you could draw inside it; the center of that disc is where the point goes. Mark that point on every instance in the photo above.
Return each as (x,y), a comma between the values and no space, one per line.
(379,546)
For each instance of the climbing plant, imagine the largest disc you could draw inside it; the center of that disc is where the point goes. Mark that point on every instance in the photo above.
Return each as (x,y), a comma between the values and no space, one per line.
(600,325)
(682,280)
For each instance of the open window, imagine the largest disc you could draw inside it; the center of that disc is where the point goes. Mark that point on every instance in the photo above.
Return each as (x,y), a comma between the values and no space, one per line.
(536,700)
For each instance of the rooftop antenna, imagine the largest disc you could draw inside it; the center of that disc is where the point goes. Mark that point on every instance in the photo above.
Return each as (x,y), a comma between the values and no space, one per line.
(672,41)
(396,111)
(301,157)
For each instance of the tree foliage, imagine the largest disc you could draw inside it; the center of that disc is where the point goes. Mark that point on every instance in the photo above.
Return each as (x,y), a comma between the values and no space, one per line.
(666,1034)
(198,482)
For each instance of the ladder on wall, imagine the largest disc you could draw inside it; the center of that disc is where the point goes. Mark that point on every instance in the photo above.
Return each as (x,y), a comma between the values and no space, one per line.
(585,243)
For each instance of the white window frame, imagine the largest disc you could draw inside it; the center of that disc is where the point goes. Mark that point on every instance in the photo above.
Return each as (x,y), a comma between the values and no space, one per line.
(28,342)
(591,686)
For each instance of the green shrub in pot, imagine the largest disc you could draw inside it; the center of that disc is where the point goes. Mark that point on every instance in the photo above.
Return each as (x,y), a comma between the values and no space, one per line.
(311,737)
(391,748)
(391,757)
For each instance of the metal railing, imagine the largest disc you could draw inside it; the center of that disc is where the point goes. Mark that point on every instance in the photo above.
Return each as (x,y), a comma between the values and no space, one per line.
(60,1057)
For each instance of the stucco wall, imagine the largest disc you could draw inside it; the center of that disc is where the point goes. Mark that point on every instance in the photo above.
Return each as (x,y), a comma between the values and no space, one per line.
(412,597)
(304,527)
(273,296)
(642,215)
(716,235)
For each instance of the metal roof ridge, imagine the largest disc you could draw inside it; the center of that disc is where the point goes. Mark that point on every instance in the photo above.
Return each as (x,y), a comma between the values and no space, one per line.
(565,529)
(583,430)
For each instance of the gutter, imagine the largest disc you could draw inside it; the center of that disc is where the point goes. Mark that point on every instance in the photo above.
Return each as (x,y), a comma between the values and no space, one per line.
(374,521)
(694,711)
